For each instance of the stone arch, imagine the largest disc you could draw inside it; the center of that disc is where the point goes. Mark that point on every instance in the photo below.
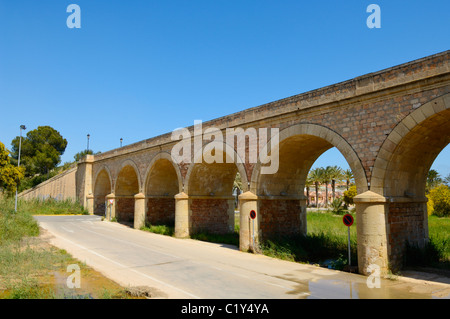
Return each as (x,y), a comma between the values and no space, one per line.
(127,185)
(326,139)
(281,199)
(128,162)
(102,187)
(400,173)
(237,162)
(209,187)
(162,182)
(165,157)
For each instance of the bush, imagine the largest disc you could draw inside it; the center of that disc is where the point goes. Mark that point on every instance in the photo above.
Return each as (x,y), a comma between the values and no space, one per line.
(337,207)
(440,199)
(430,205)
(349,195)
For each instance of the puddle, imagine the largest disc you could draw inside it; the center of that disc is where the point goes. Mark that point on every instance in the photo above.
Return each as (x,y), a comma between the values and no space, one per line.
(93,285)
(351,286)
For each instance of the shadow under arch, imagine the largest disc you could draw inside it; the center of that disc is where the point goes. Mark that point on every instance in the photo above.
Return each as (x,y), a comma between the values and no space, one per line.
(162,182)
(128,184)
(209,187)
(102,187)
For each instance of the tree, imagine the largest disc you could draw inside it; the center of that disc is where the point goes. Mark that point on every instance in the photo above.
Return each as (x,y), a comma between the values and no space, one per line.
(326,178)
(41,150)
(315,176)
(308,183)
(336,175)
(433,180)
(82,154)
(10,175)
(348,176)
(447,180)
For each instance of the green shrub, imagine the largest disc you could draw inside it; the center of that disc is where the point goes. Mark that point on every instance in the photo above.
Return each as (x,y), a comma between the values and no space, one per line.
(337,207)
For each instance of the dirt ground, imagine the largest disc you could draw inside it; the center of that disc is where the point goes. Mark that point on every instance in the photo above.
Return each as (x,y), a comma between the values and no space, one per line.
(92,284)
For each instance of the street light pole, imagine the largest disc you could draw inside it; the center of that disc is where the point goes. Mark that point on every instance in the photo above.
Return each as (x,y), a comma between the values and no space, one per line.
(87,150)
(121,140)
(22,127)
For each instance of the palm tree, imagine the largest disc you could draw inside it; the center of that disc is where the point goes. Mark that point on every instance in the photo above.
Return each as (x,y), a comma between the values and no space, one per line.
(336,175)
(308,184)
(315,176)
(326,177)
(433,179)
(348,176)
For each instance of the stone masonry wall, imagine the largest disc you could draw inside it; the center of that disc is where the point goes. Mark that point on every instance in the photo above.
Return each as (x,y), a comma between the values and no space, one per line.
(60,187)
(279,218)
(125,209)
(209,215)
(406,224)
(161,211)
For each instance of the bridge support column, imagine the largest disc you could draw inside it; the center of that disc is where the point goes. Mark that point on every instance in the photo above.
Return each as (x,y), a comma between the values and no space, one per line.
(110,207)
(139,211)
(182,215)
(90,204)
(83,179)
(371,223)
(248,202)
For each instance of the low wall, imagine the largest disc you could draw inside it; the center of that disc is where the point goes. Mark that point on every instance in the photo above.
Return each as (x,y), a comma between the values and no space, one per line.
(60,187)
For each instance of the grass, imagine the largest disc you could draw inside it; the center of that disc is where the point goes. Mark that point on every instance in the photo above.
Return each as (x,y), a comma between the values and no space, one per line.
(51,207)
(436,253)
(326,241)
(168,230)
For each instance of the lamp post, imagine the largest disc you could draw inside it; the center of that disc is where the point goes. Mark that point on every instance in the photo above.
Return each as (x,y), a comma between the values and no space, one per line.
(121,140)
(22,127)
(87,150)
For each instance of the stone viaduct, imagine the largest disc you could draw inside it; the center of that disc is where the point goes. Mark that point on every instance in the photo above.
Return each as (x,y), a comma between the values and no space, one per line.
(389,125)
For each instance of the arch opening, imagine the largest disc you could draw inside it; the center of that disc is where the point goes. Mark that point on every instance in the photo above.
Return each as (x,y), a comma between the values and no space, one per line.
(282,204)
(161,187)
(101,189)
(281,199)
(211,200)
(127,186)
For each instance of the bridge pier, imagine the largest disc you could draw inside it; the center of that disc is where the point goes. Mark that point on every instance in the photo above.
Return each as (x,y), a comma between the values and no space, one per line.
(182,215)
(90,204)
(371,218)
(139,211)
(110,207)
(248,202)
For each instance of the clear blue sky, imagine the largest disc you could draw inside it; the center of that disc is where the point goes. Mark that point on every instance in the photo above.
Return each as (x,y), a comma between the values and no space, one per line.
(137,69)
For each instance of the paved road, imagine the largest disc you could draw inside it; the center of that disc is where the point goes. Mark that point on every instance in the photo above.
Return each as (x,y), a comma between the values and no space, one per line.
(184,268)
